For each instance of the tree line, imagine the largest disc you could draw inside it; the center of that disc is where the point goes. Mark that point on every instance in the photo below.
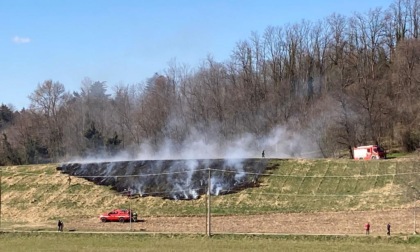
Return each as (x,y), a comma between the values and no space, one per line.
(343,81)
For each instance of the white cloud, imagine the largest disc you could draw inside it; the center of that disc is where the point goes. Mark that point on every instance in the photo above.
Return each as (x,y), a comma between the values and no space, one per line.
(20,40)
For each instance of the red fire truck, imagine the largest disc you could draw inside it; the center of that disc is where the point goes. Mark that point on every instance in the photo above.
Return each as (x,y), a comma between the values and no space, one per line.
(368,152)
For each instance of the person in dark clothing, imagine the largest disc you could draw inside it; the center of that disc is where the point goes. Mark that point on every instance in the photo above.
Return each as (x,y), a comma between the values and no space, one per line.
(388,229)
(263,154)
(60,226)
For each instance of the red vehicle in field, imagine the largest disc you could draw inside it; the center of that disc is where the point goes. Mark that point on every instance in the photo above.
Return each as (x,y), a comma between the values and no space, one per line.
(121,215)
(368,152)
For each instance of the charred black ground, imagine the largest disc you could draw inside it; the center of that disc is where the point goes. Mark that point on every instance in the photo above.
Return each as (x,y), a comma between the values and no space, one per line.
(172,179)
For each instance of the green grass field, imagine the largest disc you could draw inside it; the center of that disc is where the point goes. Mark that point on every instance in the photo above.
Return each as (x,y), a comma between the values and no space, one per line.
(129,242)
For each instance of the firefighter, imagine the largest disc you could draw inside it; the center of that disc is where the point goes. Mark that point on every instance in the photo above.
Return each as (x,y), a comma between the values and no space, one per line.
(60,226)
(367,228)
(263,154)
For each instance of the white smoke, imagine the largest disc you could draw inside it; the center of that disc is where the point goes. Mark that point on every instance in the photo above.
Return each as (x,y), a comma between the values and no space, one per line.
(183,180)
(279,143)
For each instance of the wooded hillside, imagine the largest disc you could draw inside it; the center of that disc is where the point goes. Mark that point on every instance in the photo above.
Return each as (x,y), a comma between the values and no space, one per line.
(339,82)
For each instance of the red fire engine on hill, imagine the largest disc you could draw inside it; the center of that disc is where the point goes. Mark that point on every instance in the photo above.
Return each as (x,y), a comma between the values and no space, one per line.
(368,152)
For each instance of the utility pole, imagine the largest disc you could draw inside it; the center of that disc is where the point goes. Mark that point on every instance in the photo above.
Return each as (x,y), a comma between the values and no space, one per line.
(416,195)
(1,173)
(208,205)
(415,226)
(131,214)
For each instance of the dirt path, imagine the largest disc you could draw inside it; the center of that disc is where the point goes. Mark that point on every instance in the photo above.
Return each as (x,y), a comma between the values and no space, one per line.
(402,222)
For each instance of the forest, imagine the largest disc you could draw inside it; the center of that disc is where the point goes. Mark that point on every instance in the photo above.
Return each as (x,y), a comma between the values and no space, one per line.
(329,85)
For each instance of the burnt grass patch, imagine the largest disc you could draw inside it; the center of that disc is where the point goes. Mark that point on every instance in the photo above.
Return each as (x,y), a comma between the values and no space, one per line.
(172,179)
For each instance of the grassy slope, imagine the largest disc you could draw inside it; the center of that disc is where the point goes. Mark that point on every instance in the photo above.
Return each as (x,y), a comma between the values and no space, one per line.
(41,192)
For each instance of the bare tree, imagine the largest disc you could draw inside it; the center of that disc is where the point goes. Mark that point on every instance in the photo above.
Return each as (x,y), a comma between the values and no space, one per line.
(46,100)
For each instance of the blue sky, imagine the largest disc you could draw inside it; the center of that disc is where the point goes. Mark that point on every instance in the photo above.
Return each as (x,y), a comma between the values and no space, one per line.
(127,41)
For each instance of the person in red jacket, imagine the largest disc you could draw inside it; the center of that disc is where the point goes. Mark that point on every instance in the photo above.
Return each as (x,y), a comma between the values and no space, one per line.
(367,228)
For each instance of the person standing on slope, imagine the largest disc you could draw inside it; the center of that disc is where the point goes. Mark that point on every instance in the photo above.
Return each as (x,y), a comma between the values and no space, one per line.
(367,228)
(60,226)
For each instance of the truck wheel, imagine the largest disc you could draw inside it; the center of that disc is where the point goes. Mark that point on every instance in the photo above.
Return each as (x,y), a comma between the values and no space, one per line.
(103,219)
(373,157)
(121,219)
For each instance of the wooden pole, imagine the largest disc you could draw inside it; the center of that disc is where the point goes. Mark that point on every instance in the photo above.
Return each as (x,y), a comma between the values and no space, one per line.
(415,226)
(131,214)
(1,173)
(206,209)
(208,205)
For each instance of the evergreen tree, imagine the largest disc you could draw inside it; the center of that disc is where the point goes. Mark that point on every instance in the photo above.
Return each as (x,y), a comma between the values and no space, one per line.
(113,144)
(6,115)
(10,154)
(95,140)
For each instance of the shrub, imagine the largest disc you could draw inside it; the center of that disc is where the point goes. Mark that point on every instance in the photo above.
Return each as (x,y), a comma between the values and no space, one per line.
(411,140)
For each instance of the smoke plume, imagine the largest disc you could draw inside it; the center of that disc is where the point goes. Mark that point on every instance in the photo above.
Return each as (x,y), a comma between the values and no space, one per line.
(188,171)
